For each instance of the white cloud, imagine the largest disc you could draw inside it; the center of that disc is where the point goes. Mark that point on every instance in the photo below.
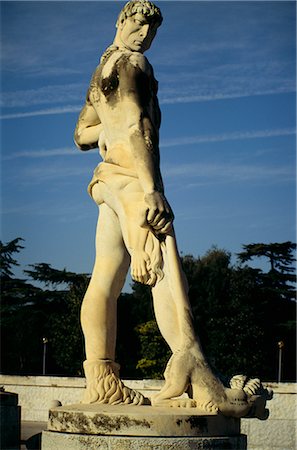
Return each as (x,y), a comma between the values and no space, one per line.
(50,38)
(42,112)
(175,99)
(42,153)
(227,81)
(34,175)
(61,212)
(237,135)
(45,95)
(223,62)
(180,141)
(220,172)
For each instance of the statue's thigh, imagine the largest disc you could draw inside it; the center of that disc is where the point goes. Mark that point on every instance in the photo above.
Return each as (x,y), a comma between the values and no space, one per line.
(112,259)
(109,236)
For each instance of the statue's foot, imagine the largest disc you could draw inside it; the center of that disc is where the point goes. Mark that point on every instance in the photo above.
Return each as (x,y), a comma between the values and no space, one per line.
(140,266)
(174,402)
(235,403)
(246,398)
(177,377)
(105,386)
(209,407)
(256,395)
(186,366)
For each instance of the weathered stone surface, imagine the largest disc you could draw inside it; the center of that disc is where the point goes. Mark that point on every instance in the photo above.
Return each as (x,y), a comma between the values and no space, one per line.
(121,117)
(37,392)
(140,421)
(53,441)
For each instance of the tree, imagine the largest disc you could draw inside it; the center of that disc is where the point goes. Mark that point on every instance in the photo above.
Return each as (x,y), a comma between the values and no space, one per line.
(280,255)
(240,313)
(282,274)
(30,313)
(154,350)
(236,318)
(20,319)
(133,310)
(63,326)
(222,300)
(278,302)
(6,259)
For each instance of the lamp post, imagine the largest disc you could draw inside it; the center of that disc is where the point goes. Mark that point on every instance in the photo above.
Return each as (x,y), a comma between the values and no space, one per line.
(280,345)
(45,341)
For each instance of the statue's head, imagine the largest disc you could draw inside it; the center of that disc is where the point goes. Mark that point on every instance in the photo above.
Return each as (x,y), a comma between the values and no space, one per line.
(144,7)
(137,25)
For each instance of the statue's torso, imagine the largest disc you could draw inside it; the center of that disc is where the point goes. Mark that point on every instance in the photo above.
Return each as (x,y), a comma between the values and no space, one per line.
(123,85)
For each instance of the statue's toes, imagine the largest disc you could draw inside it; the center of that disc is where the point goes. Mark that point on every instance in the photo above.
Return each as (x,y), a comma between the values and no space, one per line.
(185,403)
(208,407)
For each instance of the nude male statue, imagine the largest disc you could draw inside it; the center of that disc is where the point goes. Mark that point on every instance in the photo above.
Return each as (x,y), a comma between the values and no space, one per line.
(121,116)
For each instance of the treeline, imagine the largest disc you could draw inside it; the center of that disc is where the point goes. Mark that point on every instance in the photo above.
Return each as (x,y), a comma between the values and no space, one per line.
(240,313)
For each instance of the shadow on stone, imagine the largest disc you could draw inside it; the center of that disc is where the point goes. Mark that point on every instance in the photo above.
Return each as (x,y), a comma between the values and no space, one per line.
(34,442)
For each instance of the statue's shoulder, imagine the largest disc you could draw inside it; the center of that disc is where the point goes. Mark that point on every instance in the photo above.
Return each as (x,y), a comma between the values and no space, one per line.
(124,60)
(139,61)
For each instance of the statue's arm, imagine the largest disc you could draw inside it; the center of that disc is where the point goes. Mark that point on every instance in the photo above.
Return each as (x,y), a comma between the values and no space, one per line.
(137,126)
(143,138)
(88,128)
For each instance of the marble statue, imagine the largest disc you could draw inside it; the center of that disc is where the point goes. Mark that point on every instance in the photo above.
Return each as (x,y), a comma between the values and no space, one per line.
(121,117)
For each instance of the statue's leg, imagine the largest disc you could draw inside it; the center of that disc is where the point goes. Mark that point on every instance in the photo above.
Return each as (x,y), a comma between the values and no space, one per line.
(174,318)
(188,365)
(99,307)
(98,315)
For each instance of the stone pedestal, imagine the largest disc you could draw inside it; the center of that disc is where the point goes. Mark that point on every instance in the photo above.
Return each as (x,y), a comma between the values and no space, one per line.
(10,421)
(101,427)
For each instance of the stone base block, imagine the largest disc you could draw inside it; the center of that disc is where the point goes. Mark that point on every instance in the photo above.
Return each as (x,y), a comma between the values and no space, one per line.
(68,441)
(128,427)
(129,420)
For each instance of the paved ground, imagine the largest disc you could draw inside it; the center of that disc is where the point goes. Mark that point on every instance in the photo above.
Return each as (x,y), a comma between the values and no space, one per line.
(31,434)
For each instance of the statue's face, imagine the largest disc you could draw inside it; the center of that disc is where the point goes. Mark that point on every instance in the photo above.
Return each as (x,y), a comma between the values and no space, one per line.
(137,33)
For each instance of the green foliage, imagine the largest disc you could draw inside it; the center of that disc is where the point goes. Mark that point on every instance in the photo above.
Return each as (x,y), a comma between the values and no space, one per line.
(281,278)
(30,313)
(280,255)
(6,259)
(133,309)
(154,350)
(65,333)
(52,277)
(138,332)
(240,314)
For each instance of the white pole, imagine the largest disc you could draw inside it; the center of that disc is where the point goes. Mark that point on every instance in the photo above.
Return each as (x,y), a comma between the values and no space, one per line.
(280,351)
(45,341)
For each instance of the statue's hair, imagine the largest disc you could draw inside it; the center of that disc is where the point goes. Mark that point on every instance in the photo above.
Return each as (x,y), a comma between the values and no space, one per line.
(145,7)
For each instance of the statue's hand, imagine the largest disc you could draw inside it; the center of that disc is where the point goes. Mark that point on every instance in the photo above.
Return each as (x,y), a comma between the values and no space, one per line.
(159,213)
(102,144)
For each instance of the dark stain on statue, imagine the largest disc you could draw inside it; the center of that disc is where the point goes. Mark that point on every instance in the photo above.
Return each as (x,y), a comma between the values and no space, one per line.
(69,421)
(197,423)
(134,80)
(110,84)
(109,424)
(77,422)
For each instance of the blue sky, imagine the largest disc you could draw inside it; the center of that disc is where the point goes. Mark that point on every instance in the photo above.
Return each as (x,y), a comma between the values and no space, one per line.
(227,85)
